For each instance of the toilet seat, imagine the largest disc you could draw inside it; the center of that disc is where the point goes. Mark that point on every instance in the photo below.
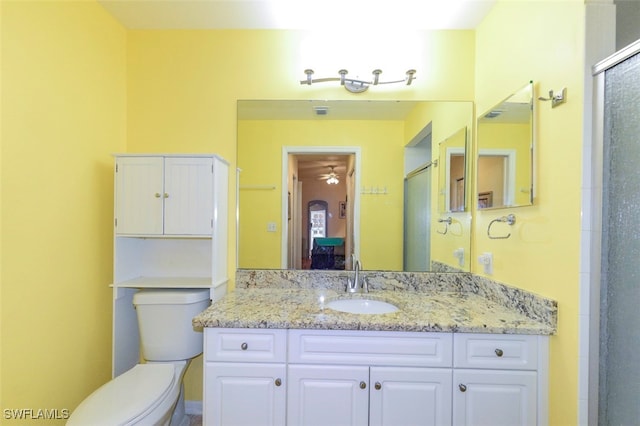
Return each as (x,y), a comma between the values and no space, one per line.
(128,397)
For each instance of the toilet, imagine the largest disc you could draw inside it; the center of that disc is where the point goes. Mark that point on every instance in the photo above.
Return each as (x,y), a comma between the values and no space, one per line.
(151,393)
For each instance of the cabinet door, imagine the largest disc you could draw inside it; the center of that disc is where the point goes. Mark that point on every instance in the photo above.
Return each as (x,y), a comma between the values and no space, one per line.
(494,398)
(238,394)
(410,396)
(327,395)
(188,196)
(139,192)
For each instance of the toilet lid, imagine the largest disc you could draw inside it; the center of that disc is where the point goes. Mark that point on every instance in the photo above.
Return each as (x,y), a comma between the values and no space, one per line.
(126,397)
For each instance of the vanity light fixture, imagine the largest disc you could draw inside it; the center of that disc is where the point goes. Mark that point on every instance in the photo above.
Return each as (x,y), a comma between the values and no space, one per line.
(355,85)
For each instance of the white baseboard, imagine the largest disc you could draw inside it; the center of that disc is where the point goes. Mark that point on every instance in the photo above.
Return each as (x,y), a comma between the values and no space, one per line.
(193,407)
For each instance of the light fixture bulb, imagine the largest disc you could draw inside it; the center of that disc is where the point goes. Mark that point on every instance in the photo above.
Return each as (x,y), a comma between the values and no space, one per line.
(332,180)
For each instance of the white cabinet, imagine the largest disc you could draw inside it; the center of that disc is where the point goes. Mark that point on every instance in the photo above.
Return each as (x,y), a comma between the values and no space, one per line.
(165,195)
(245,377)
(494,398)
(410,396)
(361,395)
(496,380)
(320,395)
(170,231)
(371,378)
(250,394)
(374,378)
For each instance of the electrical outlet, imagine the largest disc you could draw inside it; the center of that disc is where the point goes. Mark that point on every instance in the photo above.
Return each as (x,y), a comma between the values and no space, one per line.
(486,260)
(459,254)
(271,227)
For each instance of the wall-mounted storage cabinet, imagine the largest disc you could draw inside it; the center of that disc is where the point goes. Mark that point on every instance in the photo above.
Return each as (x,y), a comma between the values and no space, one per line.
(170,231)
(164,195)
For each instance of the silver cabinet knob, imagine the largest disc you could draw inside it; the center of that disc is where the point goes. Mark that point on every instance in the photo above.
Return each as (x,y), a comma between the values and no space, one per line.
(363,385)
(278,382)
(378,386)
(244,346)
(499,352)
(463,388)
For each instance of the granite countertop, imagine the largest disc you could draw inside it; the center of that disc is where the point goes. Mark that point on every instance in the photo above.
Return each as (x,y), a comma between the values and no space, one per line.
(424,311)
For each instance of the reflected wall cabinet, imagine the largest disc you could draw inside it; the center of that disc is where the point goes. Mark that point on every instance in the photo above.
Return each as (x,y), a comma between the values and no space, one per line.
(170,231)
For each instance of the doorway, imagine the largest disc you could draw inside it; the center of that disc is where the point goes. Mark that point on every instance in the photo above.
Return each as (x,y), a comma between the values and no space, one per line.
(496,176)
(320,174)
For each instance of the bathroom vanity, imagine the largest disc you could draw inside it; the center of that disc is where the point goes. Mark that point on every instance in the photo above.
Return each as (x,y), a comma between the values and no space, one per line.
(459,351)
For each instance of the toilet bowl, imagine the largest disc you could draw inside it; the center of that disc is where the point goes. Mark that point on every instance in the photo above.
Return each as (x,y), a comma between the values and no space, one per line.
(151,393)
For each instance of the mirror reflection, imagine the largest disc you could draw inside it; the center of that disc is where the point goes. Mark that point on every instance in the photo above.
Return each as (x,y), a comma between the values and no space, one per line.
(452,176)
(345,161)
(505,153)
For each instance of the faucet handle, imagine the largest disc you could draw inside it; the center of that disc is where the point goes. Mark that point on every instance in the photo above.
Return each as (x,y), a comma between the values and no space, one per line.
(365,285)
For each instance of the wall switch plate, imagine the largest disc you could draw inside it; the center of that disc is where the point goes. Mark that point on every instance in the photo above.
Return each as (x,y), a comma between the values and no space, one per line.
(271,227)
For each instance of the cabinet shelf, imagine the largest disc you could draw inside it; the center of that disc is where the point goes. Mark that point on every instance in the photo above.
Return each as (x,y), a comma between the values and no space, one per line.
(166,282)
(165,237)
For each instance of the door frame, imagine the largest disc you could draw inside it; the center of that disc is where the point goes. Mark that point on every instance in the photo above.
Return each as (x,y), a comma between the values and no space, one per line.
(328,150)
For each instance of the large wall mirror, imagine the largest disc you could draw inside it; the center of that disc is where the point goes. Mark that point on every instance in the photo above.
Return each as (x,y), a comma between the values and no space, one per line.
(505,152)
(354,156)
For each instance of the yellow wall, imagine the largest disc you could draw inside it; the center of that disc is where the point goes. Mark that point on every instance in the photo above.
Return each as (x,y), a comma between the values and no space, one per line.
(64,104)
(79,86)
(1,144)
(517,43)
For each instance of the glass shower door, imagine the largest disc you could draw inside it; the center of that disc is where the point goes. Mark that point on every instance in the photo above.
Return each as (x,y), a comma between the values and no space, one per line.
(417,220)
(619,388)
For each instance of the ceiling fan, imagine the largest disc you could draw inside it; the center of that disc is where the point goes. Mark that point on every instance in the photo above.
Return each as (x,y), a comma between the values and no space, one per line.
(331,178)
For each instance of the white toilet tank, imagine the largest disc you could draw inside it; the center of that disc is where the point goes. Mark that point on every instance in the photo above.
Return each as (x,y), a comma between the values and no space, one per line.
(164,320)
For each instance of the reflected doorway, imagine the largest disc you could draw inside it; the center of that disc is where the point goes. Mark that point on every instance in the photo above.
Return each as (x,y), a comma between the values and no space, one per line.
(323,175)
(496,177)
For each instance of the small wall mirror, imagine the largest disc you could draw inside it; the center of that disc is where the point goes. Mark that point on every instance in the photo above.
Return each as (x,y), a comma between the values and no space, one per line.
(452,172)
(505,153)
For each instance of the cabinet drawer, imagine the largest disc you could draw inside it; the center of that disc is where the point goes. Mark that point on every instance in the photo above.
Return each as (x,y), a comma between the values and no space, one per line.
(250,345)
(370,348)
(517,352)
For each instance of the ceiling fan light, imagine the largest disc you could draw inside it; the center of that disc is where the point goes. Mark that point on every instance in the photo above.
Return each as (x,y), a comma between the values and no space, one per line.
(332,180)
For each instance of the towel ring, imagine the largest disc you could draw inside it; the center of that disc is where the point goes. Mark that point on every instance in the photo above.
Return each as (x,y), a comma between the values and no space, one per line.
(509,220)
(446,222)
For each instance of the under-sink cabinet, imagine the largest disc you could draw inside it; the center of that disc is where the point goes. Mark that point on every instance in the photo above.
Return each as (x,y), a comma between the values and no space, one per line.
(170,231)
(326,377)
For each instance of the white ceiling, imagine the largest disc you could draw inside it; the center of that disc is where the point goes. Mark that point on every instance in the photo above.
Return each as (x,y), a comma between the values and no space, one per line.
(298,14)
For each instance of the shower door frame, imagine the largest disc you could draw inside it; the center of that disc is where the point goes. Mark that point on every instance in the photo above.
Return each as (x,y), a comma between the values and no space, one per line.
(594,259)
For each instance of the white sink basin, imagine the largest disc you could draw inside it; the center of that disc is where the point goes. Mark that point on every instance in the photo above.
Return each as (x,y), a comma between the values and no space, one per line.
(361,306)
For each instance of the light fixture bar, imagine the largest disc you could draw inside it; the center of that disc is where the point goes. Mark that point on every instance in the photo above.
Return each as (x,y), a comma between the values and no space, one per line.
(355,85)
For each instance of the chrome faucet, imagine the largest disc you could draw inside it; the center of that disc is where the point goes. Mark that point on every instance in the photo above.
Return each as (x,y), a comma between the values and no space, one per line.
(358,282)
